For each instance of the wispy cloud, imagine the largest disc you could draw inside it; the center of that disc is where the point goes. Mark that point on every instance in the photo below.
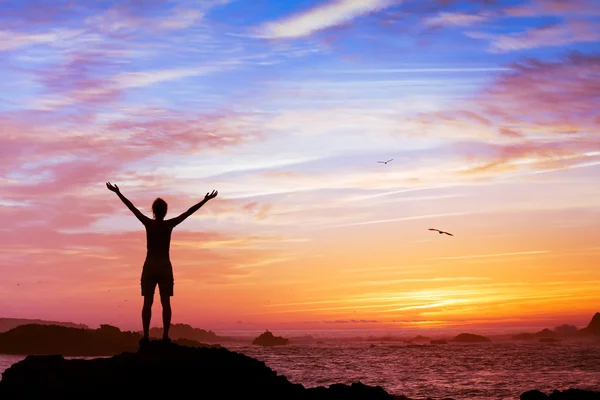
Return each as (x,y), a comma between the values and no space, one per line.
(532,8)
(492,255)
(415,217)
(14,40)
(333,13)
(555,35)
(455,19)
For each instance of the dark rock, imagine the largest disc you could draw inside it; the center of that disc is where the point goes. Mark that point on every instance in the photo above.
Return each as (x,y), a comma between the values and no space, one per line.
(593,327)
(545,333)
(566,330)
(533,395)
(54,339)
(161,368)
(185,331)
(268,339)
(470,338)
(6,324)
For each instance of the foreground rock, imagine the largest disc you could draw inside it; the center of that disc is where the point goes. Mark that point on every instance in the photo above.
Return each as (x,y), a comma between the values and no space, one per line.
(165,368)
(53,339)
(569,394)
(268,339)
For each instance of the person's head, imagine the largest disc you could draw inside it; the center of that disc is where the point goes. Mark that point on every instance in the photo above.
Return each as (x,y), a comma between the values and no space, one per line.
(159,208)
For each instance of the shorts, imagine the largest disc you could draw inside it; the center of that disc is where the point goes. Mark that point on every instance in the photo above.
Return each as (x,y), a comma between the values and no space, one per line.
(164,280)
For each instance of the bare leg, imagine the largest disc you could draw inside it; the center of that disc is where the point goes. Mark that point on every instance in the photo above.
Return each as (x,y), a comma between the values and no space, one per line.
(166,314)
(147,315)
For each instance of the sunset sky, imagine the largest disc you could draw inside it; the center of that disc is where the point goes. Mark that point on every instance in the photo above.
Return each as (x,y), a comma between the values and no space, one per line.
(490,110)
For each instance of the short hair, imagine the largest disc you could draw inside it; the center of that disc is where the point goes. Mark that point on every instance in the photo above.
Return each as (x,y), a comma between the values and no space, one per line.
(159,208)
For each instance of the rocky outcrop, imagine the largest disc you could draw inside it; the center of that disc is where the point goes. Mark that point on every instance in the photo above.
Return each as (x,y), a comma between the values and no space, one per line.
(268,339)
(545,333)
(566,330)
(53,339)
(470,338)
(158,369)
(6,324)
(593,328)
(184,331)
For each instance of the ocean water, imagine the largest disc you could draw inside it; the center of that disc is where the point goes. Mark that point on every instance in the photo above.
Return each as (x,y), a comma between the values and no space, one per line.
(460,371)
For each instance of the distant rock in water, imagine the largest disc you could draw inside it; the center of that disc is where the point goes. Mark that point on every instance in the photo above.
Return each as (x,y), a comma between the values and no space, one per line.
(566,330)
(569,394)
(184,331)
(53,339)
(267,339)
(593,327)
(438,341)
(560,331)
(470,338)
(6,324)
(545,333)
(161,368)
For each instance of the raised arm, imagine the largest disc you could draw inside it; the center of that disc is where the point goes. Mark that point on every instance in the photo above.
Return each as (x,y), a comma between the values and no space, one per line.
(179,219)
(114,188)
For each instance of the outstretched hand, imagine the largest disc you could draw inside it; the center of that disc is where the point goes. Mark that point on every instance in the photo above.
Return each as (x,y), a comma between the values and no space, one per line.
(112,188)
(211,195)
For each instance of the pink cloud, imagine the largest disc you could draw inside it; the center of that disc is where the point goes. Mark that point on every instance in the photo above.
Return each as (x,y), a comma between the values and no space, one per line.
(552,94)
(554,35)
(14,40)
(554,7)
(541,114)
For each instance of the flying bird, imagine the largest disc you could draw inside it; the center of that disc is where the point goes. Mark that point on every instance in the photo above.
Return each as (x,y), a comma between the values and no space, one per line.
(441,232)
(385,162)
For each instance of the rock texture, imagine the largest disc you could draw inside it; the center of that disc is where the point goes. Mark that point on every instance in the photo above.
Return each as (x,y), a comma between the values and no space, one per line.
(170,369)
(6,324)
(185,331)
(53,339)
(593,327)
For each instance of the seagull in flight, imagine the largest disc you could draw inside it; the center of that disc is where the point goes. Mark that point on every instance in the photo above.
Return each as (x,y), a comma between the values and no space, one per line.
(385,162)
(441,232)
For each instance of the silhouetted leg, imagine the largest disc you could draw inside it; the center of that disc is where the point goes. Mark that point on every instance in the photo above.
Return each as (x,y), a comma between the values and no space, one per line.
(147,314)
(166,314)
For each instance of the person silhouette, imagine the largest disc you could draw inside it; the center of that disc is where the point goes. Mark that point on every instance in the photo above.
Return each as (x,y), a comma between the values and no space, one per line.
(157,269)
